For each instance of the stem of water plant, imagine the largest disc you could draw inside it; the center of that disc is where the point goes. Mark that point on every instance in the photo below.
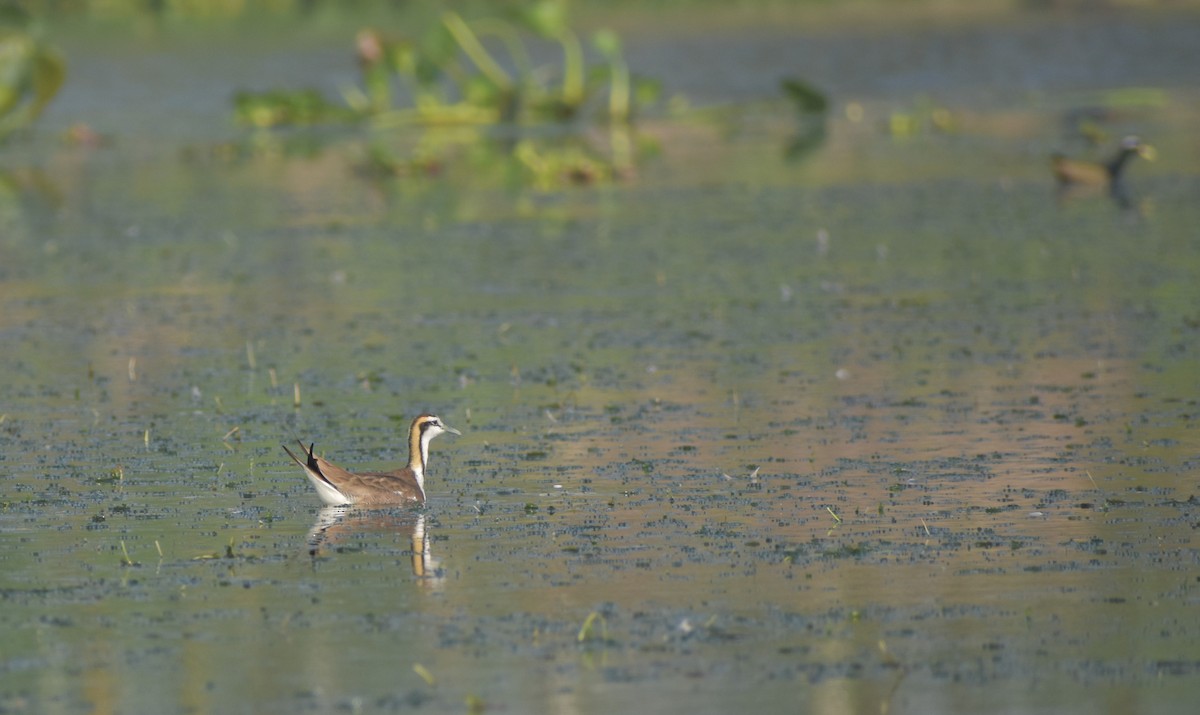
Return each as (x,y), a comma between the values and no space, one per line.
(475,50)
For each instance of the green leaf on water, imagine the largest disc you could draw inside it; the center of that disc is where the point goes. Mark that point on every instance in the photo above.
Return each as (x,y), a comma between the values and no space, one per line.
(807,98)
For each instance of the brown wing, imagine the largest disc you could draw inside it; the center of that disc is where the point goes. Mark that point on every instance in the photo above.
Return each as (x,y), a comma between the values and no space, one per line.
(330,472)
(1079,172)
(379,487)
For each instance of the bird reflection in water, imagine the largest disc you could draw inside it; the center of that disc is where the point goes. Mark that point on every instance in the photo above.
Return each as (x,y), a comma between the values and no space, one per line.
(336,525)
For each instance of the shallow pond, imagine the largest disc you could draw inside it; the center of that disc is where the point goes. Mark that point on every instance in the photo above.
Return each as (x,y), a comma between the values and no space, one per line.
(888,426)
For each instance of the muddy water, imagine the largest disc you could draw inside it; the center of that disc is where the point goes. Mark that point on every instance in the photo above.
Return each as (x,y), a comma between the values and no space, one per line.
(891,428)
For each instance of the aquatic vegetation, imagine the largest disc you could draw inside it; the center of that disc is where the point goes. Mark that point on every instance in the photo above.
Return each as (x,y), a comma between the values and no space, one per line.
(125,560)
(573,164)
(807,99)
(812,109)
(616,352)
(923,117)
(288,108)
(1093,112)
(31,71)
(588,630)
(425,674)
(455,76)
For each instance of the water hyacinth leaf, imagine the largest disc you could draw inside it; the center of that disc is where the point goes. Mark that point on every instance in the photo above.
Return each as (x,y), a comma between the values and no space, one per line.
(438,45)
(427,72)
(547,18)
(807,98)
(14,17)
(477,89)
(15,58)
(607,43)
(31,74)
(646,91)
(403,57)
(49,74)
(287,108)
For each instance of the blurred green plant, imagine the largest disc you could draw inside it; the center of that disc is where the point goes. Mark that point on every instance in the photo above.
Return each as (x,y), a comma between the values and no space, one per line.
(454,76)
(924,116)
(288,108)
(807,99)
(480,74)
(812,108)
(31,71)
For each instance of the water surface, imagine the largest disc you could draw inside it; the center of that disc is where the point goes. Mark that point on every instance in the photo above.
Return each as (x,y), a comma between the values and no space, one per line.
(886,427)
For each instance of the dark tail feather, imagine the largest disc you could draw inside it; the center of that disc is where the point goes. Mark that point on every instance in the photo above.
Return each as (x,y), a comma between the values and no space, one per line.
(294,457)
(313,465)
(308,452)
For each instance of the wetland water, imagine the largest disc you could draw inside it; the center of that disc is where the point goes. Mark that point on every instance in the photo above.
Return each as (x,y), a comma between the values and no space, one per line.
(888,428)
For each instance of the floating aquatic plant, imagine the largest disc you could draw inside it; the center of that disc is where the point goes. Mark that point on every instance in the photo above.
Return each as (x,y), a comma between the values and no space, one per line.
(478,73)
(288,108)
(31,71)
(588,630)
(454,74)
(425,674)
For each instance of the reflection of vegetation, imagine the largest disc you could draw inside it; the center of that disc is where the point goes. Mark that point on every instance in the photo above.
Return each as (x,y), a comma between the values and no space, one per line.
(31,71)
(806,124)
(453,77)
(543,162)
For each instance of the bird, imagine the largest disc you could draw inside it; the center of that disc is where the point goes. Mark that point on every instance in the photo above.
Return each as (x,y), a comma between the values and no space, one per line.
(1073,172)
(339,487)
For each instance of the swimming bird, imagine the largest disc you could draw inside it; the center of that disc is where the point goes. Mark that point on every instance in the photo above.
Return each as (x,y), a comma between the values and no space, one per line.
(1087,173)
(338,487)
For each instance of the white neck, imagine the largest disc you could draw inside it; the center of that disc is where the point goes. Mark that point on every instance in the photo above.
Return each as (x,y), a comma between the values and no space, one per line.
(423,451)
(426,438)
